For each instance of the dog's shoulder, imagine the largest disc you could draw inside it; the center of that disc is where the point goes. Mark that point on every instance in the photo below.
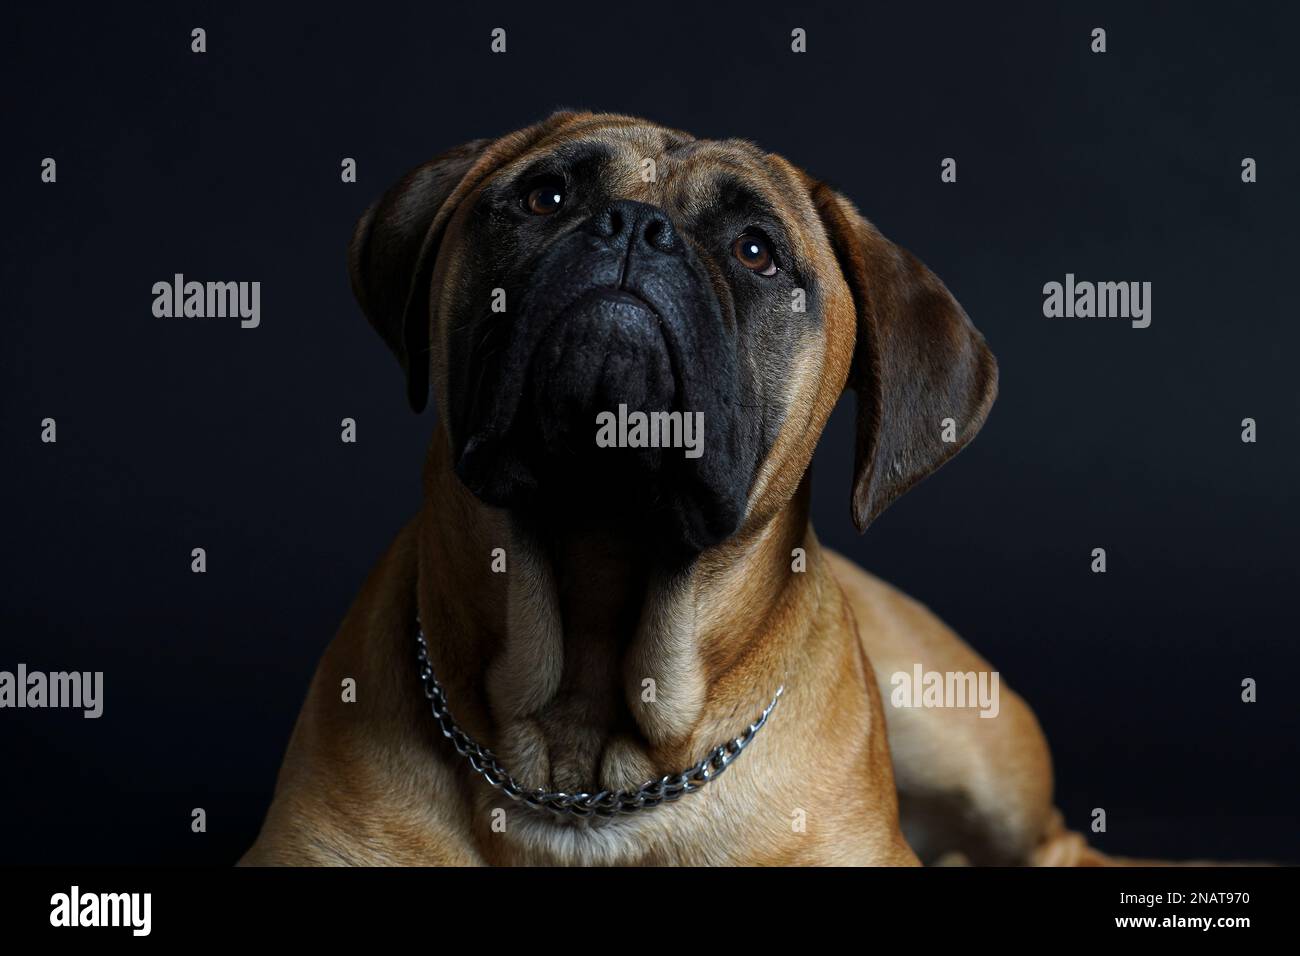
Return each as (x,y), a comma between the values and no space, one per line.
(359,784)
(891,622)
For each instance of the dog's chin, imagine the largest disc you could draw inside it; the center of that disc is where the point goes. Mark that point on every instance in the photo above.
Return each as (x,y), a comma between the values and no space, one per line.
(604,357)
(636,494)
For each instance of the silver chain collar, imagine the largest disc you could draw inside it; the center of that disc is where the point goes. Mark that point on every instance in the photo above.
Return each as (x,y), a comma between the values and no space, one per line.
(606,803)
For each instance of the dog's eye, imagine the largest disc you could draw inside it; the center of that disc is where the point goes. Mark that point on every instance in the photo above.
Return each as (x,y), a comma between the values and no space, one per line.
(752,252)
(545,196)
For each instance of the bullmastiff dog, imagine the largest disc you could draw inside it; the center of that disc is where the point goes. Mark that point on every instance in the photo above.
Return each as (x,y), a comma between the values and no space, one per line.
(558,658)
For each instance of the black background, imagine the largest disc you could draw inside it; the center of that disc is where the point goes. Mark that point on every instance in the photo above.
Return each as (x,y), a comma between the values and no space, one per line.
(183,433)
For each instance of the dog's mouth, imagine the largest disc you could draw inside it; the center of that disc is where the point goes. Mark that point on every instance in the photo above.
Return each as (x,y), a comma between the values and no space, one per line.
(608,349)
(616,295)
(534,420)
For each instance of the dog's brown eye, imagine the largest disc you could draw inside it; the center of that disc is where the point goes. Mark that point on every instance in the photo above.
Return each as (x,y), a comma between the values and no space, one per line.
(752,252)
(546,196)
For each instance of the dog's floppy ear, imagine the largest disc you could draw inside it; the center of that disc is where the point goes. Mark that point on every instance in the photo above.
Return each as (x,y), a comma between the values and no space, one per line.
(394,247)
(918,361)
(395,244)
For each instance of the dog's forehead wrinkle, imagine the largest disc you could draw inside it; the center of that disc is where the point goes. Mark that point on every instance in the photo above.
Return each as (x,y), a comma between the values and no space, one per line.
(622,152)
(561,155)
(714,178)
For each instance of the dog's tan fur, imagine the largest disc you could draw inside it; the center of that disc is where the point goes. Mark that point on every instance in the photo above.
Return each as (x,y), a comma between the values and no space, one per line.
(535,665)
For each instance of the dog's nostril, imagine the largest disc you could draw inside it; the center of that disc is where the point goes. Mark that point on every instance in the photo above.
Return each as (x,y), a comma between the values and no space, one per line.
(659,234)
(609,223)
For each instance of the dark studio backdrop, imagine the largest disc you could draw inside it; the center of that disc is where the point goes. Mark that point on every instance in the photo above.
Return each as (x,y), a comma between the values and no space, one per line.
(183,433)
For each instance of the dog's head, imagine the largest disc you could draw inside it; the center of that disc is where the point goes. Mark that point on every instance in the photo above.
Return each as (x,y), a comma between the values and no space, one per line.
(591,262)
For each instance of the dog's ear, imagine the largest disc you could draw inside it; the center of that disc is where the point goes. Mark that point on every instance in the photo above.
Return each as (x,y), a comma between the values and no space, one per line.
(918,361)
(395,244)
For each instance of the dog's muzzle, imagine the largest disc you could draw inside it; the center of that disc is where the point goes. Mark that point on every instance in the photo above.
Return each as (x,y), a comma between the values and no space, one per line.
(618,312)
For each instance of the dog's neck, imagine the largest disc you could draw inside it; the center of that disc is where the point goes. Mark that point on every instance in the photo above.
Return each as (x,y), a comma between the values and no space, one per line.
(583,661)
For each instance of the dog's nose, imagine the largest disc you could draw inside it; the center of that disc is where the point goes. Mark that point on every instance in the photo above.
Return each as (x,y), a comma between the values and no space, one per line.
(628,223)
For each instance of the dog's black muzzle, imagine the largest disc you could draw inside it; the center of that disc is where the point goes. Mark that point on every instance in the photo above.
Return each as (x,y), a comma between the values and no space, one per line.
(617,312)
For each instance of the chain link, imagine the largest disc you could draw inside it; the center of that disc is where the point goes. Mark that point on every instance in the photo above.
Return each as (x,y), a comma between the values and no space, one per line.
(606,803)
